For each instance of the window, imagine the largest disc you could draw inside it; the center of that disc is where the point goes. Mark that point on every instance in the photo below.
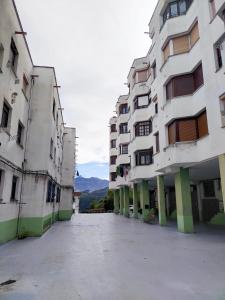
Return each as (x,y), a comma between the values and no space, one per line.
(1,57)
(143,128)
(6,113)
(58,195)
(49,191)
(219,61)
(176,8)
(53,108)
(157,146)
(154,71)
(51,149)
(2,177)
(123,109)
(123,149)
(14,54)
(54,157)
(20,131)
(142,101)
(123,128)
(113,160)
(212,8)
(53,192)
(57,119)
(14,189)
(113,128)
(209,189)
(181,44)
(113,144)
(142,75)
(156,108)
(113,176)
(189,129)
(25,84)
(219,52)
(144,157)
(186,84)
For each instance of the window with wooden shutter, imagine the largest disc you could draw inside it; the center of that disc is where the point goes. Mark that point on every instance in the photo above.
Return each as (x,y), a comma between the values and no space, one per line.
(166,51)
(202,125)
(157,146)
(141,76)
(172,133)
(181,44)
(187,130)
(183,85)
(198,77)
(194,35)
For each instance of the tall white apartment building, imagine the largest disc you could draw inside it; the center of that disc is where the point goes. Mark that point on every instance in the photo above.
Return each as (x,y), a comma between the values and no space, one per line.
(37,151)
(176,109)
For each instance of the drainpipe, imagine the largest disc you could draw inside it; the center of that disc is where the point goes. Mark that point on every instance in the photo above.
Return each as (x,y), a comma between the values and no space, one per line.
(24,158)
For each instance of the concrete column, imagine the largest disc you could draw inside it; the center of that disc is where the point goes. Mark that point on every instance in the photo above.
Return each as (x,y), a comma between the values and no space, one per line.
(116,201)
(121,200)
(222,176)
(135,200)
(183,200)
(144,199)
(161,200)
(126,201)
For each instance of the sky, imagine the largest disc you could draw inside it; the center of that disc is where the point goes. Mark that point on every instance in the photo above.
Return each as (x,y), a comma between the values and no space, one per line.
(92,45)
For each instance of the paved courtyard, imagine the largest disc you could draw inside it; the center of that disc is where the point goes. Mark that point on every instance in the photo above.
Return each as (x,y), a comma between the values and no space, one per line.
(108,257)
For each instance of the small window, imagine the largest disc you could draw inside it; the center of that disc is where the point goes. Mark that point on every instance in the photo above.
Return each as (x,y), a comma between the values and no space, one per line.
(113,144)
(54,158)
(58,195)
(144,157)
(53,108)
(113,176)
(6,114)
(25,84)
(57,119)
(14,55)
(20,131)
(209,189)
(157,146)
(113,128)
(14,189)
(156,108)
(154,71)
(212,8)
(142,101)
(51,148)
(49,191)
(123,109)
(53,192)
(113,160)
(143,128)
(1,57)
(123,149)
(2,177)
(123,128)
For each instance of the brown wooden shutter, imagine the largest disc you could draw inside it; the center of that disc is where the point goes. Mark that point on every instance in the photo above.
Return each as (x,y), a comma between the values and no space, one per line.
(181,44)
(203,125)
(169,90)
(198,77)
(172,133)
(183,85)
(142,76)
(166,51)
(194,35)
(187,130)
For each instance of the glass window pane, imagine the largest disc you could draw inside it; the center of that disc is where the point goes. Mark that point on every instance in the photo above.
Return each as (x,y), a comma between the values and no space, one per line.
(173,9)
(182,7)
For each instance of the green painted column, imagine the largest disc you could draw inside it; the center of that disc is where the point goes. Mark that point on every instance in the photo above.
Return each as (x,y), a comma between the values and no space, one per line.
(144,199)
(126,201)
(116,201)
(121,200)
(135,200)
(222,176)
(184,203)
(161,200)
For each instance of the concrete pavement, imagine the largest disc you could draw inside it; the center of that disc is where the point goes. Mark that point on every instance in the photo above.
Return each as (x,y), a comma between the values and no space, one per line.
(109,257)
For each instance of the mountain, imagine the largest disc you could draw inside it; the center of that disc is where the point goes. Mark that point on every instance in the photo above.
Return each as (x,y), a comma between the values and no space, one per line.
(87,198)
(90,184)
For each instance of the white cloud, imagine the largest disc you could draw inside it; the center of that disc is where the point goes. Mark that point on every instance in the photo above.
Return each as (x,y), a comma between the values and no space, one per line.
(92,45)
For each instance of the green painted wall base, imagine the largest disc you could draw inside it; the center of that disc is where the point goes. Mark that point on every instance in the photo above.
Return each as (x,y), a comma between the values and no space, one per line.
(173,216)
(219,219)
(8,230)
(65,215)
(185,224)
(30,227)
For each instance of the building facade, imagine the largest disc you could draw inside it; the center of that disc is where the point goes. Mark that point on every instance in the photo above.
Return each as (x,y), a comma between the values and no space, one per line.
(37,151)
(176,105)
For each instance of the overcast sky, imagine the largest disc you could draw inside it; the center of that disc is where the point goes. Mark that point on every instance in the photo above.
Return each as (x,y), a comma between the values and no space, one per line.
(92,44)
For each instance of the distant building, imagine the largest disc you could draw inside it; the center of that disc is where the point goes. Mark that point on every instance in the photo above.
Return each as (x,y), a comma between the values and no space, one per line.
(37,151)
(174,119)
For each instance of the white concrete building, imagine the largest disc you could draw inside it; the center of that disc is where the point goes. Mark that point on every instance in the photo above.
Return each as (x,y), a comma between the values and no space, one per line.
(177,103)
(37,152)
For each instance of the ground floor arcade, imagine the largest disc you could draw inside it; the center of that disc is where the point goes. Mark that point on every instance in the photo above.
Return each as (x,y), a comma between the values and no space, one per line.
(190,195)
